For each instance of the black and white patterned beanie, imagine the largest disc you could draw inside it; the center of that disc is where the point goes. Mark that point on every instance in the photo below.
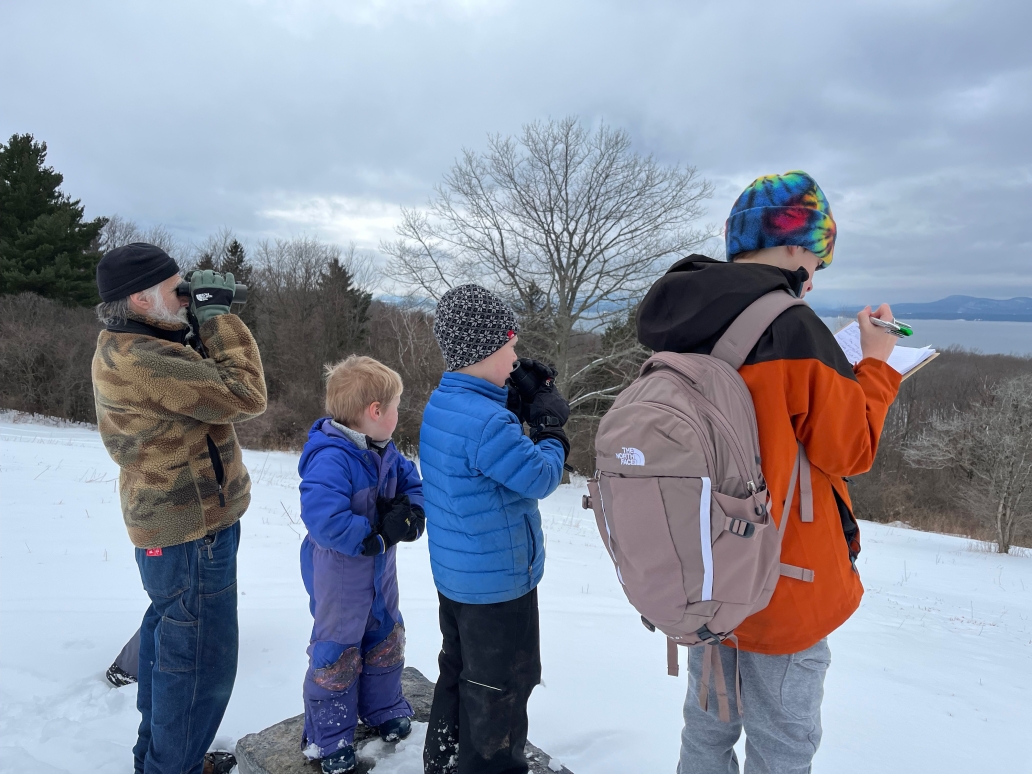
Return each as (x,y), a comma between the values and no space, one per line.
(472,323)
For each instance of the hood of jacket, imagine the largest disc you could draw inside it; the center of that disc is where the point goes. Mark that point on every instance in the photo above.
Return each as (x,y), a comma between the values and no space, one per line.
(689,308)
(323,434)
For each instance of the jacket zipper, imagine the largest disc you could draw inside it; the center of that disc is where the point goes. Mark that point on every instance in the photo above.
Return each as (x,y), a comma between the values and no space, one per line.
(531,545)
(217,468)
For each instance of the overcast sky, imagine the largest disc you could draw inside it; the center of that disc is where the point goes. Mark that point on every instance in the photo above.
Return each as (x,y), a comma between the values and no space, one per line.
(276,118)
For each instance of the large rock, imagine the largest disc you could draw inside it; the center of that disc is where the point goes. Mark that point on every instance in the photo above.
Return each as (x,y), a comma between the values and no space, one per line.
(277,749)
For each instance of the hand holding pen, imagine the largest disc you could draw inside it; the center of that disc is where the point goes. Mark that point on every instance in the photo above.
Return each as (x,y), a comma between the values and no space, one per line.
(874,343)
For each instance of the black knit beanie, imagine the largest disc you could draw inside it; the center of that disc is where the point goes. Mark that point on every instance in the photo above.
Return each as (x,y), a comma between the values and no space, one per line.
(471,323)
(132,268)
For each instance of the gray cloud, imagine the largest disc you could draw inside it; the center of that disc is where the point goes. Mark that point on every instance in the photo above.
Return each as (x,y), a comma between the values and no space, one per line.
(274,118)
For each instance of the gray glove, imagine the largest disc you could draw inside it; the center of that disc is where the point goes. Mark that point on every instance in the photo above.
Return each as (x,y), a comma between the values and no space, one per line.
(211,294)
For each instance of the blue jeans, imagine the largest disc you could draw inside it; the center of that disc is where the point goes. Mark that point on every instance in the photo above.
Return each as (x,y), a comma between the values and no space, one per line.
(188,651)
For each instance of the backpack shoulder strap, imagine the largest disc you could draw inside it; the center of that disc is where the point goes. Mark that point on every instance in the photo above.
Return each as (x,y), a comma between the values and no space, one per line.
(800,474)
(741,336)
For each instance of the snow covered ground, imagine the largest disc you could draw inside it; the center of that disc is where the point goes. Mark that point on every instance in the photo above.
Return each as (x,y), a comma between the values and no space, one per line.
(933,674)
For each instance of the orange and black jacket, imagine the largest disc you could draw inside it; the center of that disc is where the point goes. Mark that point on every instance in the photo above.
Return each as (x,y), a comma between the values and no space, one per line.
(805,391)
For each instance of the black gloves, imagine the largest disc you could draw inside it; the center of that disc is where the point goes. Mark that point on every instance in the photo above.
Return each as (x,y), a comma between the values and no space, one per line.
(548,409)
(514,402)
(399,522)
(556,434)
(535,399)
(374,545)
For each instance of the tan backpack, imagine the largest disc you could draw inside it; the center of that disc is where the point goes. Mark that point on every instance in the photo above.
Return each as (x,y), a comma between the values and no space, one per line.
(680,500)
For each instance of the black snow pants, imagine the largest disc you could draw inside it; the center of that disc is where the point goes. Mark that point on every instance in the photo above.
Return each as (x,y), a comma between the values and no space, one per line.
(129,659)
(490,662)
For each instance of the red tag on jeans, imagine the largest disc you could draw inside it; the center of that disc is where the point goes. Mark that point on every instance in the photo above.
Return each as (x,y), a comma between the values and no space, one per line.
(153,552)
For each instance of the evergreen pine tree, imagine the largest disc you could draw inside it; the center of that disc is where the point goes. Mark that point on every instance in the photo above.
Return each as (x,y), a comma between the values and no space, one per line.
(234,260)
(45,246)
(345,311)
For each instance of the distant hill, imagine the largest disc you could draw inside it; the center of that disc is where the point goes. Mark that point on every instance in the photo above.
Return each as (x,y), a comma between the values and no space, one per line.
(956,308)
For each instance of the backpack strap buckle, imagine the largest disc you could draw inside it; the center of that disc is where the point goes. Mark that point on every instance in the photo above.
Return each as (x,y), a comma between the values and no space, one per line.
(739,527)
(707,636)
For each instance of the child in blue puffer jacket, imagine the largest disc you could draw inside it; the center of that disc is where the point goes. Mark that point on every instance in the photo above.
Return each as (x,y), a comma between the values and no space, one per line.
(482,478)
(359,497)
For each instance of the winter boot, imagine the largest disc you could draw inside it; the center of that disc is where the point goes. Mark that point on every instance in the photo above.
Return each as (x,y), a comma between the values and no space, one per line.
(118,677)
(219,762)
(341,761)
(395,729)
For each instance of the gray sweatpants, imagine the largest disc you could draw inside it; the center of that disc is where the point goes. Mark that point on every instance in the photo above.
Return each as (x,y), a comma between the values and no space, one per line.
(782,719)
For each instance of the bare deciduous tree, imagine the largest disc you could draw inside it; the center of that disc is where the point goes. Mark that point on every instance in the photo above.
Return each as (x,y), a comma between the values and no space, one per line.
(119,231)
(571,225)
(989,449)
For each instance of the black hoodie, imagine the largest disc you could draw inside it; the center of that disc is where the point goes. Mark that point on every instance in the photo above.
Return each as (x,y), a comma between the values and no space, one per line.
(689,308)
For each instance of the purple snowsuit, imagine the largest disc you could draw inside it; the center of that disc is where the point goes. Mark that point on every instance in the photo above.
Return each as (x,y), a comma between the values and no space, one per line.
(357,649)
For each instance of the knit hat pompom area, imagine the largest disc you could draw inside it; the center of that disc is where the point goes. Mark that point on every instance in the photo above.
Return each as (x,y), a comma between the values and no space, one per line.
(776,210)
(472,323)
(131,268)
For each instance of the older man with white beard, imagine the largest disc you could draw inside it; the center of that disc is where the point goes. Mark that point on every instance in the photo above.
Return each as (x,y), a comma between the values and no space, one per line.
(165,411)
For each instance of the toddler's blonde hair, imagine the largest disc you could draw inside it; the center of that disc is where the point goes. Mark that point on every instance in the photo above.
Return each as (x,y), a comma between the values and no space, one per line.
(356,382)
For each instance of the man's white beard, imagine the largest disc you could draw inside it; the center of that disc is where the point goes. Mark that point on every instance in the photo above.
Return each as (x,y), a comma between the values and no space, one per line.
(161,313)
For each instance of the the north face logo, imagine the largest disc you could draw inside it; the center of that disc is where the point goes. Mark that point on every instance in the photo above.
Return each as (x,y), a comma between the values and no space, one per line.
(631,456)
(203,296)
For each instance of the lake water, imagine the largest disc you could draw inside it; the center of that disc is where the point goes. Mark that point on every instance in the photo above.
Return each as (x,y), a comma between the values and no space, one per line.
(990,337)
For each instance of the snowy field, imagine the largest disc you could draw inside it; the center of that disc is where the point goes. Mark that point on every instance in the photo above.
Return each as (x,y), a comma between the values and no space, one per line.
(933,674)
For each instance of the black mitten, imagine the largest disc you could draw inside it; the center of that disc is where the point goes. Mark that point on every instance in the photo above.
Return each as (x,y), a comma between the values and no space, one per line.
(374,545)
(514,402)
(400,521)
(540,434)
(548,409)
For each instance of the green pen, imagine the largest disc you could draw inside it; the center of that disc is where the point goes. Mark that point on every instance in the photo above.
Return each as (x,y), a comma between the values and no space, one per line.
(896,328)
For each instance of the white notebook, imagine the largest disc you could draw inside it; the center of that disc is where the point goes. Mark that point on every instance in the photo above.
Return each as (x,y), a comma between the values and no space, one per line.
(903,359)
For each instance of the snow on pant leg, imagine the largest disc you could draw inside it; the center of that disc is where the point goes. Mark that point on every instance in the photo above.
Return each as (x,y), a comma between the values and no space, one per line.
(380,697)
(501,665)
(782,697)
(440,753)
(129,659)
(192,587)
(331,697)
(148,648)
(707,743)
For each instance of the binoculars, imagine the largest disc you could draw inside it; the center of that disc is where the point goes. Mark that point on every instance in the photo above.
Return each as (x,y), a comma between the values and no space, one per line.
(529,382)
(239,292)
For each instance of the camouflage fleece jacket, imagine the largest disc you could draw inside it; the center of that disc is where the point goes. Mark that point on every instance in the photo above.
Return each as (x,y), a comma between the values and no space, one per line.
(165,415)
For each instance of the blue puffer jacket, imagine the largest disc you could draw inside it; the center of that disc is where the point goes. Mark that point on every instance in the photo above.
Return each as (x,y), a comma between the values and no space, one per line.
(482,478)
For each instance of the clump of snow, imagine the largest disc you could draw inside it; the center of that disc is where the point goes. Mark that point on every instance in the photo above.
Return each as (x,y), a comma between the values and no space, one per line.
(931,672)
(404,757)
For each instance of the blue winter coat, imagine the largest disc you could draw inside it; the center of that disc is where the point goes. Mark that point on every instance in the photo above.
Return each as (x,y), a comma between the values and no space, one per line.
(339,487)
(482,478)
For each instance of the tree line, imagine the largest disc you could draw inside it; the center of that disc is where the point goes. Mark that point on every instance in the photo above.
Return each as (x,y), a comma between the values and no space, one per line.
(571,226)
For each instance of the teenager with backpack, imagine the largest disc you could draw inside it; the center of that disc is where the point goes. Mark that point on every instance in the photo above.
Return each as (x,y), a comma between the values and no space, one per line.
(751,477)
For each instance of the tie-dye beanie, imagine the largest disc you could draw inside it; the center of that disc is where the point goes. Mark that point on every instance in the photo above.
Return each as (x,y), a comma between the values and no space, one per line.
(776,210)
